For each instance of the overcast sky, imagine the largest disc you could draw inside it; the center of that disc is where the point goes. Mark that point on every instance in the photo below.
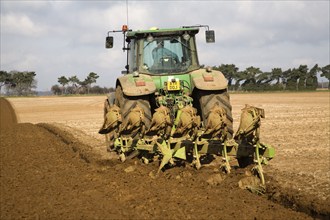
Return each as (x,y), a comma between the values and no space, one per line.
(56,38)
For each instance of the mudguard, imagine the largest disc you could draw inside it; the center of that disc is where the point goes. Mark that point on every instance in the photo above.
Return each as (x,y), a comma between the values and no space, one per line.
(209,80)
(137,85)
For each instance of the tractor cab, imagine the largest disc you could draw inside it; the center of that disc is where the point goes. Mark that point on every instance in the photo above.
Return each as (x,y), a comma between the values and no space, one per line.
(161,51)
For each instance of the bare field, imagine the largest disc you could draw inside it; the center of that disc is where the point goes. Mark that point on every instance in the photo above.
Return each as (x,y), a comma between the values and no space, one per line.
(296,124)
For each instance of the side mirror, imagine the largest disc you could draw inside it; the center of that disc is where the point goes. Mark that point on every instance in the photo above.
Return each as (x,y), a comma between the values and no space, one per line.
(109,42)
(210,36)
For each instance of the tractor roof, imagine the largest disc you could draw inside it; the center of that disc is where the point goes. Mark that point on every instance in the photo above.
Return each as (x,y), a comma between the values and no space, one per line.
(162,32)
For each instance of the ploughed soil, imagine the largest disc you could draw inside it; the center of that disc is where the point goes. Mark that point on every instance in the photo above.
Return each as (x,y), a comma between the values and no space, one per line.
(8,117)
(55,168)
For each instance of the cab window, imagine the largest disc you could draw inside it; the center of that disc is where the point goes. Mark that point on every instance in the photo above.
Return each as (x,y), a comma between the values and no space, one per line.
(166,55)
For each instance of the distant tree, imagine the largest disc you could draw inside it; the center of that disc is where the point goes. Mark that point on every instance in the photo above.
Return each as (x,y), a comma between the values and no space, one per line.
(311,79)
(326,73)
(71,90)
(63,81)
(24,82)
(238,78)
(249,76)
(302,72)
(96,90)
(4,79)
(285,77)
(263,81)
(75,83)
(292,77)
(74,80)
(276,75)
(56,90)
(90,79)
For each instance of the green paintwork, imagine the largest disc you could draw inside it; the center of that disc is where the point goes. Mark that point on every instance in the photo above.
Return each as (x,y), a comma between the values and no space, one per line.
(160,80)
(156,82)
(180,153)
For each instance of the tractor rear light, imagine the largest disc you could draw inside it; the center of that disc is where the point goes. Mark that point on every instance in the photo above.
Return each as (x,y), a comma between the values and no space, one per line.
(140,83)
(208,78)
(124,28)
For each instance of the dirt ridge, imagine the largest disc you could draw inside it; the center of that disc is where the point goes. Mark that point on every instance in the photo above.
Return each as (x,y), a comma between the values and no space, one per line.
(297,200)
(8,117)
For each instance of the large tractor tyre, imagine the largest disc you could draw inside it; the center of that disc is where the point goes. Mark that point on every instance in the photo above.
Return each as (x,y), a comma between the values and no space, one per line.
(127,103)
(207,99)
(109,137)
(109,102)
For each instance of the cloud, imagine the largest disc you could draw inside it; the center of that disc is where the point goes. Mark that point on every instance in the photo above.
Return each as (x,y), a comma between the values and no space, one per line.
(260,23)
(20,24)
(57,38)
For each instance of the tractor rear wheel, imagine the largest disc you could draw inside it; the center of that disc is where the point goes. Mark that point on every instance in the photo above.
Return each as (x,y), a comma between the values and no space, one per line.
(207,99)
(109,137)
(127,103)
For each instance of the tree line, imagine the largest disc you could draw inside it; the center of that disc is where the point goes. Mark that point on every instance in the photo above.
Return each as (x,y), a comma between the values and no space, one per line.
(23,83)
(253,79)
(73,85)
(18,83)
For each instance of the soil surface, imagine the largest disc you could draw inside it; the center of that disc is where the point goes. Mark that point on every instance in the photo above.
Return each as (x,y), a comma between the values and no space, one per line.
(8,116)
(54,165)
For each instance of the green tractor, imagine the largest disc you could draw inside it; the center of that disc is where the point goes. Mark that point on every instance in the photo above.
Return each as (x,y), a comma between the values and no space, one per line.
(167,108)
